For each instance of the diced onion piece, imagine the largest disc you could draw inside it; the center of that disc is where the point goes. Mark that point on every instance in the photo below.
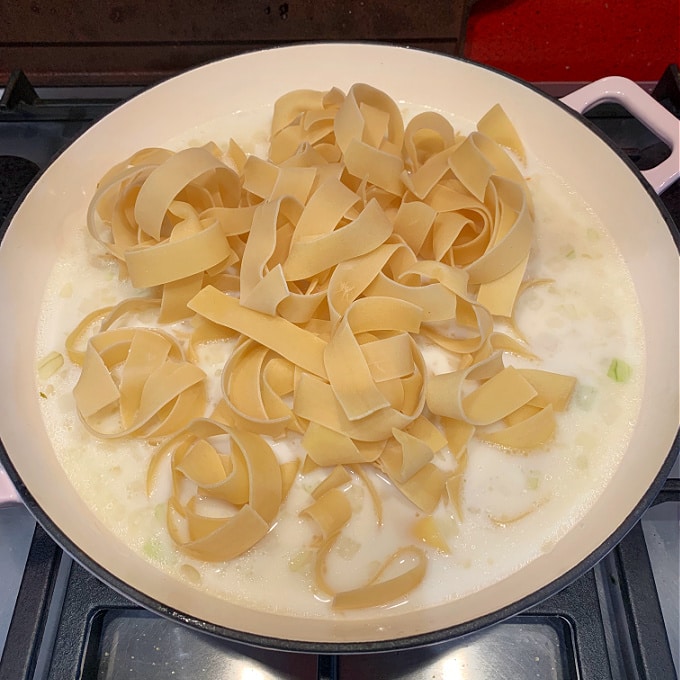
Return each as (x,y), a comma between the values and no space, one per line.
(49,365)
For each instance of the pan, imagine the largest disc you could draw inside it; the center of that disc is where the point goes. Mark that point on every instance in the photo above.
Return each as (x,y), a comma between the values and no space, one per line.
(625,200)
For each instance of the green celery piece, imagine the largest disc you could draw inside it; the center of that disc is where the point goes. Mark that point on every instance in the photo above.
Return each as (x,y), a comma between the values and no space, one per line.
(619,371)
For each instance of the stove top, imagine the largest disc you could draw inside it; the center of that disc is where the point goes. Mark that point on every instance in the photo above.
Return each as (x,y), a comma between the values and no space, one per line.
(58,622)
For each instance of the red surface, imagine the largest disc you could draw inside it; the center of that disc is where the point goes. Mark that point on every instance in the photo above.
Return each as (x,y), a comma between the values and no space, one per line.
(575,40)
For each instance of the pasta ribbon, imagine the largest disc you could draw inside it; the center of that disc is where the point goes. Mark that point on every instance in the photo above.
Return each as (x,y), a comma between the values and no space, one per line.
(166,181)
(313,255)
(339,477)
(156,394)
(247,477)
(301,347)
(378,592)
(331,511)
(406,456)
(254,388)
(316,401)
(327,447)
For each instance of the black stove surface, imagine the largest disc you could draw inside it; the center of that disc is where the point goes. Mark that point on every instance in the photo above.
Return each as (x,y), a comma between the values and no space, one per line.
(606,624)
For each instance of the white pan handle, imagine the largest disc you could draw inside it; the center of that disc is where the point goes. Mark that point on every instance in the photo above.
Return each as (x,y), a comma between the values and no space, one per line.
(647,110)
(8,494)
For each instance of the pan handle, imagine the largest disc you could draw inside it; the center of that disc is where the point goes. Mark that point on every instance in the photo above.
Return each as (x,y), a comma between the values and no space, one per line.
(8,494)
(646,109)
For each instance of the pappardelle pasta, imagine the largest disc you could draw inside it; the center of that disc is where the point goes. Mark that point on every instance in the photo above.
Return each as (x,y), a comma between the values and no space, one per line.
(325,268)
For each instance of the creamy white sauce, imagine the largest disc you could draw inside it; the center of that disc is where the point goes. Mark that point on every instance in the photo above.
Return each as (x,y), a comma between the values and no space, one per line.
(577,324)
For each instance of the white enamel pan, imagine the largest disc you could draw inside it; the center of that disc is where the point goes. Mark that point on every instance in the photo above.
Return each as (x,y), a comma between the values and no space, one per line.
(625,199)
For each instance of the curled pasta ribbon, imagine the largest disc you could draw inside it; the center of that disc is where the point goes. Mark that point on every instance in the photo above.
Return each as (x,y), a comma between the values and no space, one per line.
(255,383)
(356,372)
(410,562)
(406,460)
(291,251)
(525,399)
(482,221)
(311,256)
(104,318)
(331,512)
(316,402)
(135,382)
(379,591)
(458,435)
(534,423)
(302,117)
(405,455)
(326,447)
(77,335)
(157,220)
(302,347)
(369,130)
(427,135)
(496,125)
(262,285)
(337,478)
(238,468)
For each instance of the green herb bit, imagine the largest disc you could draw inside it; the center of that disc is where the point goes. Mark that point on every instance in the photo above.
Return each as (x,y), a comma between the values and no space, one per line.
(568,250)
(153,549)
(619,371)
(160,511)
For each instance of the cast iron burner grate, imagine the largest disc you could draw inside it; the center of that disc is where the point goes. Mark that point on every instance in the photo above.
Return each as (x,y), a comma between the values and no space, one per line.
(606,624)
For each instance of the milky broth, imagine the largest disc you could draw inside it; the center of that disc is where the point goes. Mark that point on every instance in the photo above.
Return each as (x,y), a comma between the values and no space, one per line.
(576,324)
